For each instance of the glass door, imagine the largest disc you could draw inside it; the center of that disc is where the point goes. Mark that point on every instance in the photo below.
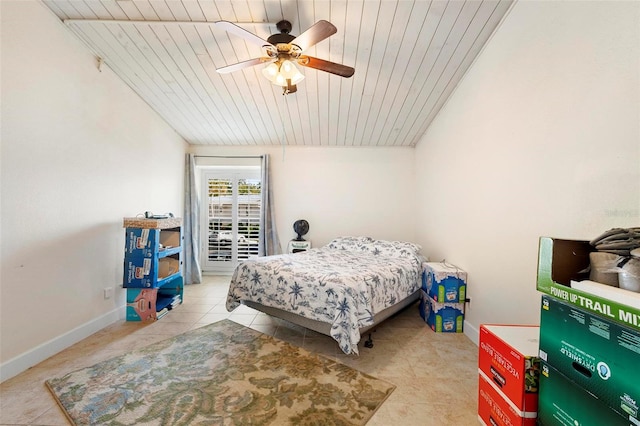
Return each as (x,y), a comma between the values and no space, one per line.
(231,216)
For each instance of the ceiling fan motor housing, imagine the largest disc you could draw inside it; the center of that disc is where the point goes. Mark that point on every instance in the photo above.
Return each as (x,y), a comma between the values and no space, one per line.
(280,39)
(283,37)
(277,39)
(284,26)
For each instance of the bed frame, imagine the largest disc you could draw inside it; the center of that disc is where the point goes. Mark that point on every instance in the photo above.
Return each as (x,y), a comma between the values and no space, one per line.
(325,327)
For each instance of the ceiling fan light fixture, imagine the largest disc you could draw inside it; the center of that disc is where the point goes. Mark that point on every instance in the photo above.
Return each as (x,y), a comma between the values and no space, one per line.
(290,72)
(288,69)
(297,77)
(271,71)
(283,73)
(280,80)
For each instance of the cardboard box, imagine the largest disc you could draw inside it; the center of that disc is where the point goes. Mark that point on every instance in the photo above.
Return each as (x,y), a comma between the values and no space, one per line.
(494,410)
(601,356)
(562,402)
(560,262)
(141,242)
(441,317)
(138,272)
(508,356)
(444,283)
(168,266)
(143,304)
(144,242)
(146,272)
(624,297)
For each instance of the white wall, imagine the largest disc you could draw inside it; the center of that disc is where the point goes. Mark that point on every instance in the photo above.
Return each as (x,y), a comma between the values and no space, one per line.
(542,138)
(79,152)
(339,191)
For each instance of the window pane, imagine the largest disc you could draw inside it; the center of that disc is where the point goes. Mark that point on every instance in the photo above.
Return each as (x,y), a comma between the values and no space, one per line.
(233,210)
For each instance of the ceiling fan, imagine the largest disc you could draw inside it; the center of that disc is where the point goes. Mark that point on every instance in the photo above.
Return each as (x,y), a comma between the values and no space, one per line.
(282,50)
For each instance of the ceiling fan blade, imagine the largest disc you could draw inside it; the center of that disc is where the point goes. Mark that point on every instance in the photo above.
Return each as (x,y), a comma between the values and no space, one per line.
(241,32)
(244,64)
(327,66)
(314,34)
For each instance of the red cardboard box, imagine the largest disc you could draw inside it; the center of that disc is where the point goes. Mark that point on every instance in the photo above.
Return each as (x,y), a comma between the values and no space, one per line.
(509,358)
(493,409)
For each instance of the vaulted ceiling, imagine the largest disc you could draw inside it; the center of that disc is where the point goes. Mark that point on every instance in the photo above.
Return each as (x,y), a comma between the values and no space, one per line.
(408,57)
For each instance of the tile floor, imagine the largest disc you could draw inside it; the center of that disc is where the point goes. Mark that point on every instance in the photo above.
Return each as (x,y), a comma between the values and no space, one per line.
(435,374)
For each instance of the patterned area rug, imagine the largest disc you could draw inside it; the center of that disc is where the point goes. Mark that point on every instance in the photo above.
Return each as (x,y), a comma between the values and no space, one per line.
(220,374)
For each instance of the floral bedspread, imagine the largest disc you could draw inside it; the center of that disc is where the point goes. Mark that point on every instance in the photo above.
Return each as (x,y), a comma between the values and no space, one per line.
(344,283)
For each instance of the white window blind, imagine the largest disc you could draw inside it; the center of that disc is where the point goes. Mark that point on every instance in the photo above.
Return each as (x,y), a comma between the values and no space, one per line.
(233,209)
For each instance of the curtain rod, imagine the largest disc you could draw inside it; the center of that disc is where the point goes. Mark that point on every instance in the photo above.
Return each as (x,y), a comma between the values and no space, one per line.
(228,156)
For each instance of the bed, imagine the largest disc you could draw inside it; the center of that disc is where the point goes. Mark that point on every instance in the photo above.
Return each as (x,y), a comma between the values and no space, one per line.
(343,289)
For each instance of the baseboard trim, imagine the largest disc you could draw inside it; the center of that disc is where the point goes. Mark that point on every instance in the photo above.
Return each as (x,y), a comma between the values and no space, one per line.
(21,363)
(471,332)
(17,365)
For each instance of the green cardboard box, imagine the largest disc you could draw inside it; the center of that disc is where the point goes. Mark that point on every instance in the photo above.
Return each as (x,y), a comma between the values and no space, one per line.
(559,262)
(562,402)
(599,355)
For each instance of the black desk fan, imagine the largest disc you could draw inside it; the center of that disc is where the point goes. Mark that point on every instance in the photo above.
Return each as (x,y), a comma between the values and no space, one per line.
(301,227)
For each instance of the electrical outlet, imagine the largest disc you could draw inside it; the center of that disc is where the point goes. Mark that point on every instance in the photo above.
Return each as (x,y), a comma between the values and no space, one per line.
(108,292)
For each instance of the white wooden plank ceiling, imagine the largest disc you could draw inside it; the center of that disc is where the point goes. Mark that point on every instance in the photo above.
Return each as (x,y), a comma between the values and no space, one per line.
(408,56)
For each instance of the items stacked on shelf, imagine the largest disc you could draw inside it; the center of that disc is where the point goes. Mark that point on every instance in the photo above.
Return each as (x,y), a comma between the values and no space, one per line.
(589,343)
(443,296)
(152,267)
(167,303)
(508,375)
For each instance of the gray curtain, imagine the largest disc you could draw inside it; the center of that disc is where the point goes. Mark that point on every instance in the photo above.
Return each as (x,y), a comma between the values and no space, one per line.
(191,228)
(269,242)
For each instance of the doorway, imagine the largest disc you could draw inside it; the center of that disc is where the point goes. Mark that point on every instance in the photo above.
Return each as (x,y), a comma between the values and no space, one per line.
(231,211)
